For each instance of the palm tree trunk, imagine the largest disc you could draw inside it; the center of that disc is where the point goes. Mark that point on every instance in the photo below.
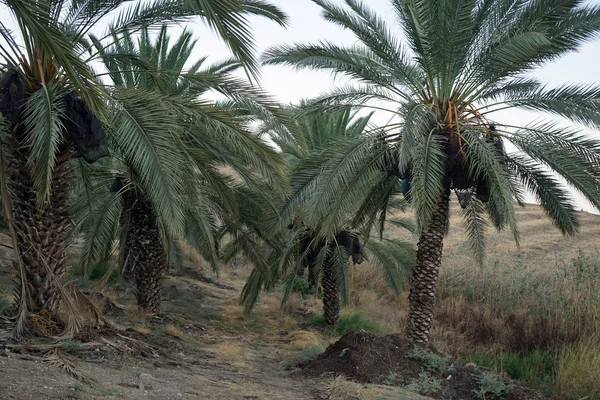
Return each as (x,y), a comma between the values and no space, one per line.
(42,233)
(331,295)
(146,255)
(425,273)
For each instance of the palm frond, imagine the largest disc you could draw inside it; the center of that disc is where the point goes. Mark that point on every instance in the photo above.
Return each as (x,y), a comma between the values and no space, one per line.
(43,118)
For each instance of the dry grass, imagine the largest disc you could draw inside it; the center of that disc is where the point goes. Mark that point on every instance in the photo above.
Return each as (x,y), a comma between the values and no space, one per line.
(542,295)
(173,331)
(522,306)
(142,330)
(231,352)
(369,293)
(300,340)
(578,371)
(339,388)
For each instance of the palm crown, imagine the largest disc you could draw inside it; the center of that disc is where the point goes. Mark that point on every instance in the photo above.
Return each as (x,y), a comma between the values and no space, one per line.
(177,143)
(452,65)
(314,241)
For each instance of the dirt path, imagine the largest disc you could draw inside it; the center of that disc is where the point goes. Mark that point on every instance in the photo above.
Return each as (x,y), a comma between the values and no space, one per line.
(202,347)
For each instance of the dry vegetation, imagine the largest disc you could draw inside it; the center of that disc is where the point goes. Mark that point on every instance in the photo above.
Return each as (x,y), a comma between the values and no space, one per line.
(532,313)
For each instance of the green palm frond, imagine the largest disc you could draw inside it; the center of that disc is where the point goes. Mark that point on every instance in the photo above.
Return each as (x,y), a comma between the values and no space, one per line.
(486,161)
(475,224)
(229,19)
(394,258)
(144,133)
(550,193)
(43,129)
(428,174)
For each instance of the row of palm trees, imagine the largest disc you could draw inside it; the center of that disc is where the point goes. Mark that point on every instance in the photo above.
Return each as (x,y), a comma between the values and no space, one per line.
(336,178)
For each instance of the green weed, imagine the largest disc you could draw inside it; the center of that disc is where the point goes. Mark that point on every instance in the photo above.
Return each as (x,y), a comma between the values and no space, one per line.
(350,322)
(214,316)
(491,386)
(357,321)
(424,384)
(310,352)
(390,379)
(432,362)
(302,286)
(534,368)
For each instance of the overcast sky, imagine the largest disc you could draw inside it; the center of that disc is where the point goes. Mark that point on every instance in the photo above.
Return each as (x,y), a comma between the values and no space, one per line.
(307,26)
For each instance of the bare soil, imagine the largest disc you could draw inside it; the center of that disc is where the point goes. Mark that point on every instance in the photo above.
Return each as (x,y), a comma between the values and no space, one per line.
(189,351)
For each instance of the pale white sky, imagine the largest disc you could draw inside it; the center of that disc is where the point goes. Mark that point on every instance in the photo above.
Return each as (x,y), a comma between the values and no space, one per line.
(307,26)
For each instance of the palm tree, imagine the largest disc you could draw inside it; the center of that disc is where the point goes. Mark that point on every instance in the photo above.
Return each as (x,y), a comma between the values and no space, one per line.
(188,138)
(51,97)
(452,66)
(324,249)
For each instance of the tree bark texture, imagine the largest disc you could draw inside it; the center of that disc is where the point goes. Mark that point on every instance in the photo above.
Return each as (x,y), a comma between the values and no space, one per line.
(425,273)
(146,255)
(42,232)
(331,295)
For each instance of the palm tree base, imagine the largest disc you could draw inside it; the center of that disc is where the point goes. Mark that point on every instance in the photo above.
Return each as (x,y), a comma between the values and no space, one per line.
(42,232)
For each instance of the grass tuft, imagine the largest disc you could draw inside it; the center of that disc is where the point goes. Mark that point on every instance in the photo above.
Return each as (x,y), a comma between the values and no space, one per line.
(173,331)
(142,330)
(350,322)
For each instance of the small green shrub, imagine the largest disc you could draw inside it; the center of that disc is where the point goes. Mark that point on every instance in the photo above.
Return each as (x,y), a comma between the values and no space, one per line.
(390,379)
(71,346)
(354,322)
(432,362)
(100,269)
(491,386)
(302,286)
(424,384)
(534,368)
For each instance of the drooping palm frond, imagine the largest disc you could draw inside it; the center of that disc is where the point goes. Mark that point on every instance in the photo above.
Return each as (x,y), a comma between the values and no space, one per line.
(394,258)
(43,129)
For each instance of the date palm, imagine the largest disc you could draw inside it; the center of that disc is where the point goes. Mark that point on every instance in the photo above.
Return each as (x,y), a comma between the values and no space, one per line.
(183,194)
(325,249)
(51,97)
(442,72)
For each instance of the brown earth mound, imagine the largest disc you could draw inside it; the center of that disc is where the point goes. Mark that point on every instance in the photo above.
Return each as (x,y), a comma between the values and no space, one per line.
(392,359)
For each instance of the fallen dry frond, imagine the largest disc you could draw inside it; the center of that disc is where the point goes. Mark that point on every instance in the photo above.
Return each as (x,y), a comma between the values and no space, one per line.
(59,359)
(44,322)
